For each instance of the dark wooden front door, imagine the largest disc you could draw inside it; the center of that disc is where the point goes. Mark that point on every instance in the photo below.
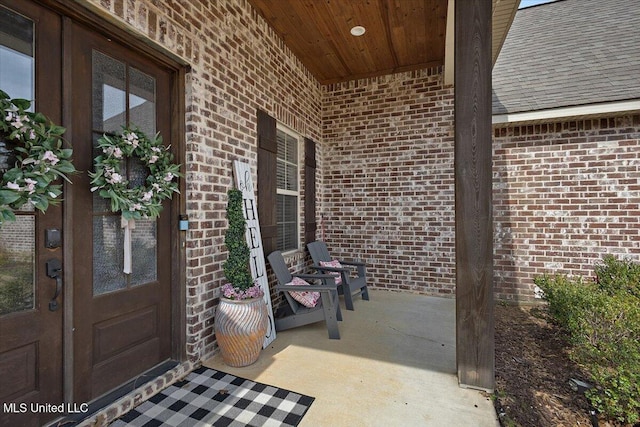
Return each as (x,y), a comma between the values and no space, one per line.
(121,321)
(30,333)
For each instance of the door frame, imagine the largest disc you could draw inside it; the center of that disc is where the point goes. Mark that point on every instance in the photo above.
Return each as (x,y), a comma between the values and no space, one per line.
(101,22)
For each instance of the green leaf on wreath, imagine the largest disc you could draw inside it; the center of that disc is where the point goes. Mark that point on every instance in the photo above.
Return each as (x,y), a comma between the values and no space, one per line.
(40,203)
(57,130)
(7,214)
(66,167)
(8,196)
(23,104)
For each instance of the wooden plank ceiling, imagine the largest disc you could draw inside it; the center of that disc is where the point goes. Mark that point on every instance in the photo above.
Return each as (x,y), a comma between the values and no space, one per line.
(401,35)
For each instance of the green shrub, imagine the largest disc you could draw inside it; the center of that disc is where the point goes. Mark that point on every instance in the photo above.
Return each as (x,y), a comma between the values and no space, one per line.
(602,317)
(614,276)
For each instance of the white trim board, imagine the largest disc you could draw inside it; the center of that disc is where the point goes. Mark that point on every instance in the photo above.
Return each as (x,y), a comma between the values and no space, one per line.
(567,112)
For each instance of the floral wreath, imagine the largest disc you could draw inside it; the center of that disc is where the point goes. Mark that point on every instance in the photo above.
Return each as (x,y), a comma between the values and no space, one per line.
(40,158)
(143,201)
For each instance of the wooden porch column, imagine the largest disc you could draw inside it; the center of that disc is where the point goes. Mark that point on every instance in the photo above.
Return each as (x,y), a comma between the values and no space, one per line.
(474,222)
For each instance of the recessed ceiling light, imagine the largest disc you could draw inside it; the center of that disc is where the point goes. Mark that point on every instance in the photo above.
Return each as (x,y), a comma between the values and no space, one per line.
(357,31)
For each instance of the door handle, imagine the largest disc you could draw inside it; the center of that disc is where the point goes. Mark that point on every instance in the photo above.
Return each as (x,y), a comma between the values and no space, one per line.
(54,271)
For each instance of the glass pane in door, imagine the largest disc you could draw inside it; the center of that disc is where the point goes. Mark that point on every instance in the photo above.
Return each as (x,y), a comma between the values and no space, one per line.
(144,246)
(122,96)
(16,55)
(17,239)
(108,239)
(142,102)
(17,265)
(109,94)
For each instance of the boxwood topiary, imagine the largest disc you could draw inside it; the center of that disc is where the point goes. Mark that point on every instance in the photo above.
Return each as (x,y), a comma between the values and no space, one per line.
(236,268)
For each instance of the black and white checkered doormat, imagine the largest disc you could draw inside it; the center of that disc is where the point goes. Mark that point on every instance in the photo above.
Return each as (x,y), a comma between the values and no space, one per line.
(207,397)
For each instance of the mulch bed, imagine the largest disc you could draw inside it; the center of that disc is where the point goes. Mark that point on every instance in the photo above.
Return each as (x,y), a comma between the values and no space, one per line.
(533,372)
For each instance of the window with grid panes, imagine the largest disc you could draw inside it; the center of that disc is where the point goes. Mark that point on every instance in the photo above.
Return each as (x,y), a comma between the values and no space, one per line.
(287,192)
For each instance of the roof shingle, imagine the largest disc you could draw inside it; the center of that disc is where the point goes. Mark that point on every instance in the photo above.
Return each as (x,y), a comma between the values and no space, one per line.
(569,53)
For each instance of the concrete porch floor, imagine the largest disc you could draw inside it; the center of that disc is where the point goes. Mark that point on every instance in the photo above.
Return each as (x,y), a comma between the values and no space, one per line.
(393,365)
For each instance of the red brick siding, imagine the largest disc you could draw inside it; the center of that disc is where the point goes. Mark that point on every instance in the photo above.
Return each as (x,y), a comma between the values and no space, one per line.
(565,194)
(388,187)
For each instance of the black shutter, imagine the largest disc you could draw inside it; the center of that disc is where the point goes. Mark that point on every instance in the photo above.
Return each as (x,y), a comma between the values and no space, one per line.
(267,181)
(309,190)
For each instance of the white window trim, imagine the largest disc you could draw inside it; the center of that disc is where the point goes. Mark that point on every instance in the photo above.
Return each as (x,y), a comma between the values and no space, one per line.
(297,194)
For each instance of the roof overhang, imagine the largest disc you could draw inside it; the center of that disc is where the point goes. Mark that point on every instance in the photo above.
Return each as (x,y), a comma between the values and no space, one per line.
(568,113)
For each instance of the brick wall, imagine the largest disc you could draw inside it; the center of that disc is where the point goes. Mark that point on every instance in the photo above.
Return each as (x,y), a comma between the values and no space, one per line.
(388,188)
(237,65)
(565,194)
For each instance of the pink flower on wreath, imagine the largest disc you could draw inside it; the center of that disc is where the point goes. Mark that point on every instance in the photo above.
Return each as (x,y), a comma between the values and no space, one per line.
(132,139)
(147,196)
(13,186)
(31,185)
(114,178)
(113,151)
(52,158)
(19,121)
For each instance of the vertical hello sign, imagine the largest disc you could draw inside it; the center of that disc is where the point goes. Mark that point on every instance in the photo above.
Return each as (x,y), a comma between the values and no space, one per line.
(244,183)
